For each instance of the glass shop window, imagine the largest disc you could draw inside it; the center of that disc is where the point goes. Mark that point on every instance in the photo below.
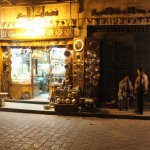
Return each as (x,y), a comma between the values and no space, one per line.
(21,65)
(57,69)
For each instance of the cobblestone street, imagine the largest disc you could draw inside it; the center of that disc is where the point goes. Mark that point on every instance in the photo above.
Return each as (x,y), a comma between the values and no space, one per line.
(20,131)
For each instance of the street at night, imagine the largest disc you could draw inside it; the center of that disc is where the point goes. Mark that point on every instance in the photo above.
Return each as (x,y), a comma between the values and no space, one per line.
(20,131)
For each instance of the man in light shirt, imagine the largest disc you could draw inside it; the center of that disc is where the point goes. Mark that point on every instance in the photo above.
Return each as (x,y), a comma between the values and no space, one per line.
(141,89)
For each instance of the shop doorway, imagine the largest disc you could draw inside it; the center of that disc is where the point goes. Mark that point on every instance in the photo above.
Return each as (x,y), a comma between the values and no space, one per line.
(48,70)
(41,62)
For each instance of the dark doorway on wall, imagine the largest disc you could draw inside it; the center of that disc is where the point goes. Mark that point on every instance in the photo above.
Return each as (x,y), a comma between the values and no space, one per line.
(121,52)
(116,62)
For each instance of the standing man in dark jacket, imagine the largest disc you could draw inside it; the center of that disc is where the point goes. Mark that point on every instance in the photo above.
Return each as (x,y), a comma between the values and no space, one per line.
(141,88)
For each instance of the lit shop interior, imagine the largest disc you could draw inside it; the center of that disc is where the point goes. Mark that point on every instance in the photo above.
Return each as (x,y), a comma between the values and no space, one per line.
(36,68)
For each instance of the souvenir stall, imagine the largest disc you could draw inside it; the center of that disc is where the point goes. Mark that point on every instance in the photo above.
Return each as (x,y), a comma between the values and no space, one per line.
(81,86)
(51,58)
(68,73)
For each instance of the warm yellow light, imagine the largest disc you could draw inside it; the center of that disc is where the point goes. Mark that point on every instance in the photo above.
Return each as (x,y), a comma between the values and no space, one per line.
(33,27)
(31,23)
(34,32)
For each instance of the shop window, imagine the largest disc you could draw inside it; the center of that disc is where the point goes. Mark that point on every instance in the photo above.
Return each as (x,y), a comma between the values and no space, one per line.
(21,65)
(57,65)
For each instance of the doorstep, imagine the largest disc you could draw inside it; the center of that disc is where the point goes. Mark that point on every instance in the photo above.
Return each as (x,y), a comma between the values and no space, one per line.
(30,101)
(97,112)
(26,108)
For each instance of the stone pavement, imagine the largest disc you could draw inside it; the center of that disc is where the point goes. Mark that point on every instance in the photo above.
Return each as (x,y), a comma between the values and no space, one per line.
(101,112)
(24,131)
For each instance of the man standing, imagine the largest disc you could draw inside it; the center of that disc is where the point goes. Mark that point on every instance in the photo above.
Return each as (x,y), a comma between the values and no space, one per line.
(141,89)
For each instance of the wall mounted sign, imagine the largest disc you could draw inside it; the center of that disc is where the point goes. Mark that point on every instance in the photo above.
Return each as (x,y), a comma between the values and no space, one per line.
(37,11)
(114,11)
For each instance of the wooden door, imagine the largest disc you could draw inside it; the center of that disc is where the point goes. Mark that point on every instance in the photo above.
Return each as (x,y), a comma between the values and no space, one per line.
(108,71)
(119,59)
(117,62)
(124,62)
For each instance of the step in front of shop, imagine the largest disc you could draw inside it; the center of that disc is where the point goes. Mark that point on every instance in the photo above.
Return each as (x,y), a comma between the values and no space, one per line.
(28,101)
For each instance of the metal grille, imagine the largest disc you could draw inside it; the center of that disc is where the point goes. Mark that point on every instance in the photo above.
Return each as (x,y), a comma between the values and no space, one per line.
(119,28)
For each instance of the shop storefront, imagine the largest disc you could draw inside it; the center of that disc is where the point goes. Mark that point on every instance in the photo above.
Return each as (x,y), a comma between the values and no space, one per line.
(48,46)
(28,71)
(36,50)
(42,53)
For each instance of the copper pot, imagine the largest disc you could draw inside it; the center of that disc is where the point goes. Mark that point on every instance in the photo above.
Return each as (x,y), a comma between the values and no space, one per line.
(87,70)
(97,68)
(94,45)
(67,53)
(67,101)
(58,100)
(94,54)
(97,60)
(67,66)
(74,101)
(67,60)
(78,56)
(87,61)
(75,73)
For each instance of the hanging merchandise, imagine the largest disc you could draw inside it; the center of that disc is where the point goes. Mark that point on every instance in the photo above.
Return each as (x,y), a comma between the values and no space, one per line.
(94,45)
(92,67)
(7,61)
(67,60)
(67,66)
(8,68)
(67,53)
(78,45)
(7,54)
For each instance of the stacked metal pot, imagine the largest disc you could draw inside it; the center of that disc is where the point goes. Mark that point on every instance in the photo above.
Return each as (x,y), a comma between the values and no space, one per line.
(66,95)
